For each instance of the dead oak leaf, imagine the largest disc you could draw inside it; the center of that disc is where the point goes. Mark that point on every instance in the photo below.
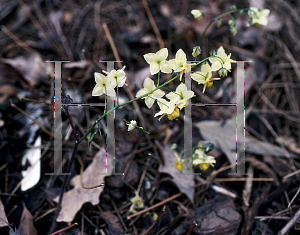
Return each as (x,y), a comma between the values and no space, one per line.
(2,215)
(75,198)
(26,225)
(184,180)
(223,135)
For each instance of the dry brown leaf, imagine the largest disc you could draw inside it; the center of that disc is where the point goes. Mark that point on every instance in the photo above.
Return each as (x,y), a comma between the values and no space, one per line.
(2,215)
(26,225)
(31,67)
(184,180)
(223,136)
(75,198)
(113,223)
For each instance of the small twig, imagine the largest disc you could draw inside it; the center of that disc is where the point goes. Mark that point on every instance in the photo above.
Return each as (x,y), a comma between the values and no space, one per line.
(112,44)
(154,206)
(153,24)
(291,174)
(288,226)
(90,59)
(16,39)
(192,229)
(58,207)
(243,179)
(43,215)
(294,197)
(36,122)
(160,214)
(39,27)
(81,173)
(64,229)
(142,177)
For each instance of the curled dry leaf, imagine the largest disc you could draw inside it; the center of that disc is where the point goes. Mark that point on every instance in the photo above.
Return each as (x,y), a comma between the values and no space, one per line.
(26,225)
(75,198)
(2,215)
(184,180)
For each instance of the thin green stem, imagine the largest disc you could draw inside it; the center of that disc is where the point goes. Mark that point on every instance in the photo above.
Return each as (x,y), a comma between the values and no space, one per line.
(218,17)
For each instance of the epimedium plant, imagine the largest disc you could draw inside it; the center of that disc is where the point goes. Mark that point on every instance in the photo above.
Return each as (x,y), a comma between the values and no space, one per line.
(152,93)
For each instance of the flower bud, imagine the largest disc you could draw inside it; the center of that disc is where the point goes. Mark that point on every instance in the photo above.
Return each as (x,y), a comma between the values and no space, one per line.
(233,30)
(174,114)
(174,146)
(197,14)
(213,52)
(222,72)
(219,22)
(179,165)
(250,20)
(233,7)
(204,166)
(196,51)
(231,22)
(241,12)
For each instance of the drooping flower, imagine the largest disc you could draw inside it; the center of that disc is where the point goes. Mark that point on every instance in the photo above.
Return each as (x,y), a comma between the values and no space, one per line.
(103,86)
(203,160)
(197,14)
(168,108)
(258,16)
(196,51)
(179,63)
(182,93)
(221,60)
(117,77)
(204,77)
(158,61)
(131,125)
(148,87)
(179,164)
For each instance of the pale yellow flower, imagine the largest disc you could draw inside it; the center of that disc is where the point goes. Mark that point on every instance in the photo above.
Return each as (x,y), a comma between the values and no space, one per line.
(203,160)
(179,63)
(182,93)
(258,16)
(148,87)
(204,77)
(168,108)
(132,125)
(221,60)
(103,86)
(158,61)
(197,14)
(117,77)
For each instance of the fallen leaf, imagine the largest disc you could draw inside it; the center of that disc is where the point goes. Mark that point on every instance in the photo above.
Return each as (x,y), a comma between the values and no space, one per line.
(75,198)
(31,66)
(223,136)
(184,180)
(217,216)
(26,225)
(2,215)
(32,174)
(113,223)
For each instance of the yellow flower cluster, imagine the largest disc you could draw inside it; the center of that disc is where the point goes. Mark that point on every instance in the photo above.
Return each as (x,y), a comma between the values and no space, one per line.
(177,99)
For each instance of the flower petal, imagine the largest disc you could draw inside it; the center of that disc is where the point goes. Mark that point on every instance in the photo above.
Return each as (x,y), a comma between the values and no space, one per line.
(141,92)
(149,84)
(165,67)
(149,102)
(154,68)
(150,57)
(99,78)
(180,55)
(98,90)
(157,94)
(162,54)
